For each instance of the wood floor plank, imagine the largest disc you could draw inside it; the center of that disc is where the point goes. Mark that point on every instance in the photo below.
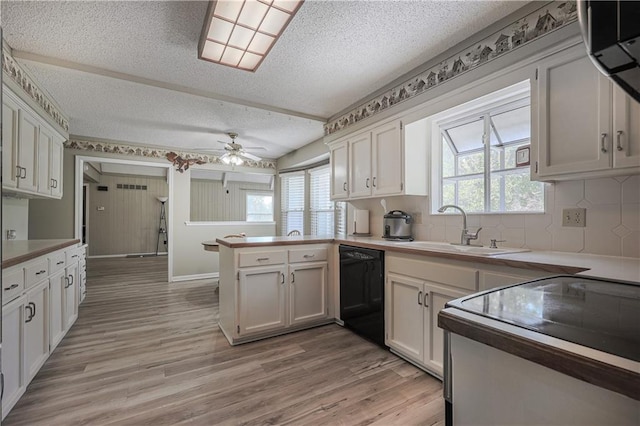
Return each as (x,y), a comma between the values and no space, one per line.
(147,352)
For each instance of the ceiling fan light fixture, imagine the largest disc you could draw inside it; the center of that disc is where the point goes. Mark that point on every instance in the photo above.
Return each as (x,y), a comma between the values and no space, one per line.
(240,33)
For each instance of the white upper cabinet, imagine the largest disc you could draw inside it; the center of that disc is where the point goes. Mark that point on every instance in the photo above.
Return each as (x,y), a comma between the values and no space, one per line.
(380,162)
(339,159)
(10,171)
(32,150)
(28,131)
(387,159)
(626,127)
(583,127)
(360,166)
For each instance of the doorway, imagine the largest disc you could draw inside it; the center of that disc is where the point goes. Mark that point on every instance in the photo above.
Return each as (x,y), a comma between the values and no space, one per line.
(118,205)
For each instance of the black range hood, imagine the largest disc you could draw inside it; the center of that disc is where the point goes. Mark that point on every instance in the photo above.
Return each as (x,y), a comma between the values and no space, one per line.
(611,32)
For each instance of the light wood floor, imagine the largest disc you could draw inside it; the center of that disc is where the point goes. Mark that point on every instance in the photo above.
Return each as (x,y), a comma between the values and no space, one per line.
(146,352)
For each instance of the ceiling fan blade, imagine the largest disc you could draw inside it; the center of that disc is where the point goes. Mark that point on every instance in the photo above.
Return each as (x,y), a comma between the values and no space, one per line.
(254,148)
(250,156)
(225,155)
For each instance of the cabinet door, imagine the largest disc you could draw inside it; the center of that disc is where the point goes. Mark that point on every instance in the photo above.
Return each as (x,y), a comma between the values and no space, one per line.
(36,329)
(574,115)
(360,166)
(261,299)
(29,131)
(45,139)
(339,171)
(9,142)
(626,130)
(71,296)
(13,317)
(56,153)
(307,292)
(434,299)
(404,311)
(57,283)
(387,159)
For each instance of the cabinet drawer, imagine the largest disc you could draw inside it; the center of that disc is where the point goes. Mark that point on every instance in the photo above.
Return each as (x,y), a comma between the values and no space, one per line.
(57,262)
(12,284)
(73,255)
(262,258)
(35,272)
(450,273)
(307,255)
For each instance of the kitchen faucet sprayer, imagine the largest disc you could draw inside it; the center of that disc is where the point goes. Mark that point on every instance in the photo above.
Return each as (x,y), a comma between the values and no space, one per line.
(466,236)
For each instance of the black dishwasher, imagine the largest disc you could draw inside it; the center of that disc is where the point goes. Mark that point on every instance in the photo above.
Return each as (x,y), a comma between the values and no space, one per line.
(362,292)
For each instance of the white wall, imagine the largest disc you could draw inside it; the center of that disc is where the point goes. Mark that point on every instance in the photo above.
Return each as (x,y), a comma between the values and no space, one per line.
(613,219)
(15,215)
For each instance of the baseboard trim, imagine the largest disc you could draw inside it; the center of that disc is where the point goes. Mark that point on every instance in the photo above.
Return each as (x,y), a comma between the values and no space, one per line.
(101,256)
(195,277)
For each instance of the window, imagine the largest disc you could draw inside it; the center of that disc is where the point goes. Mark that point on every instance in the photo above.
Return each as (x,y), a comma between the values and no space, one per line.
(259,207)
(478,159)
(323,216)
(292,202)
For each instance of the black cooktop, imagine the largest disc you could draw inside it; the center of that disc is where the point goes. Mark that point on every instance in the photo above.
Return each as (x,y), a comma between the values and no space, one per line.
(603,315)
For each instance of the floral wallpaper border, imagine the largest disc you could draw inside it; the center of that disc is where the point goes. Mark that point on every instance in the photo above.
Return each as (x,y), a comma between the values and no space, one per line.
(536,24)
(141,151)
(15,72)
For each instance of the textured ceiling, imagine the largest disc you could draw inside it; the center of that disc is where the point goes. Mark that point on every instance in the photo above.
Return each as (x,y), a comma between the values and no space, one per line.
(333,54)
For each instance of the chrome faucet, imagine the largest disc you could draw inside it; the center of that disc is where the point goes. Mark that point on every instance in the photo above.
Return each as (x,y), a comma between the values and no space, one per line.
(466,236)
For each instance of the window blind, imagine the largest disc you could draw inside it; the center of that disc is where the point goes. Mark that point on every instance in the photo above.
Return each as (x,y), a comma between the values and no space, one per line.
(292,202)
(321,208)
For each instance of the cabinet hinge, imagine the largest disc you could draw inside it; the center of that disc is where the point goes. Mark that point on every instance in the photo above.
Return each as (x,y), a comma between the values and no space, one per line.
(536,73)
(238,328)
(401,125)
(238,276)
(401,186)
(536,167)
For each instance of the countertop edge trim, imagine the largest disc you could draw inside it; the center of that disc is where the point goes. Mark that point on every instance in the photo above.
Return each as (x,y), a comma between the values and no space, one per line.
(580,367)
(37,253)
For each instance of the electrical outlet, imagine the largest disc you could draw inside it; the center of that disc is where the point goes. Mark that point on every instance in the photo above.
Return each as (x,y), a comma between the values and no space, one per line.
(574,217)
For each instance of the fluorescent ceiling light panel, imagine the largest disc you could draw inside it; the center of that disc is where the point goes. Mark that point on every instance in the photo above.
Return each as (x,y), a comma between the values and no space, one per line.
(240,33)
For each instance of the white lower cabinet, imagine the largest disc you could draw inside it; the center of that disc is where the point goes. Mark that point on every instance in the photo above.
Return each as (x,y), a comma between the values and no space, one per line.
(415,291)
(261,301)
(40,299)
(70,296)
(13,316)
(57,329)
(272,291)
(36,330)
(307,292)
(412,319)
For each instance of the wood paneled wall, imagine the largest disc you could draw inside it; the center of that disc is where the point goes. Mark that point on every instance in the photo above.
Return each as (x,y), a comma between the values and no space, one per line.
(129,222)
(210,201)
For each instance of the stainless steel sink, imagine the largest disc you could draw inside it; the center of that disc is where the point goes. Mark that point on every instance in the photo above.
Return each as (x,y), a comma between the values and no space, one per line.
(453,248)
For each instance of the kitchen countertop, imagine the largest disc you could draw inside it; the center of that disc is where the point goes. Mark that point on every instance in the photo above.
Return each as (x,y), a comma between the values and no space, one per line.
(607,267)
(18,251)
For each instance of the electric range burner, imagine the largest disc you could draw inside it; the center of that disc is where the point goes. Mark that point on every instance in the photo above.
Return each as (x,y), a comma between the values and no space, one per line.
(603,315)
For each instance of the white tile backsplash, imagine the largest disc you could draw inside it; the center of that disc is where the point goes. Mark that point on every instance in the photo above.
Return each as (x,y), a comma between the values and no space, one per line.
(613,219)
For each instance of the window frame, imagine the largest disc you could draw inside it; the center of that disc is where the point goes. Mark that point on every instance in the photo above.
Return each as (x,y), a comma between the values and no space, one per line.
(261,194)
(482,108)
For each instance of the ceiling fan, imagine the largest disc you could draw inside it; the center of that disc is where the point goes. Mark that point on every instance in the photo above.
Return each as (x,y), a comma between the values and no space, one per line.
(234,153)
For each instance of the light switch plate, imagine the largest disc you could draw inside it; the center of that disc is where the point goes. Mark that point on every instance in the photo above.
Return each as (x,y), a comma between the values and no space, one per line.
(574,217)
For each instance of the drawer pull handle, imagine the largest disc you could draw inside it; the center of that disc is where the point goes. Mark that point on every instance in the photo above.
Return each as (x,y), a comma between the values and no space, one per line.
(426,296)
(282,282)
(75,255)
(30,314)
(306,256)
(60,263)
(42,271)
(420,298)
(344,187)
(11,287)
(262,258)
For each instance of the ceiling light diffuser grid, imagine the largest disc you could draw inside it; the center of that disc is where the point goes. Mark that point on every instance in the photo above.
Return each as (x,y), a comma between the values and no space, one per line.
(240,33)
